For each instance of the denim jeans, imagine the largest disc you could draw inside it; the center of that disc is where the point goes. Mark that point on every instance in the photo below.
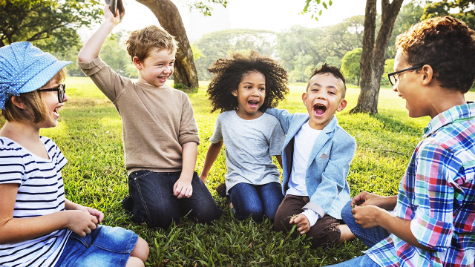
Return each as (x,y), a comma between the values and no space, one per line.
(370,236)
(256,200)
(105,246)
(155,204)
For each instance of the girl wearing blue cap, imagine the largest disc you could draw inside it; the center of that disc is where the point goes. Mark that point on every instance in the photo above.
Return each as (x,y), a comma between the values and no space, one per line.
(38,225)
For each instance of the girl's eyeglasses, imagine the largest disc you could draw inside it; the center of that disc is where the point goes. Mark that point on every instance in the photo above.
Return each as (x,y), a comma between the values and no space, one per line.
(61,89)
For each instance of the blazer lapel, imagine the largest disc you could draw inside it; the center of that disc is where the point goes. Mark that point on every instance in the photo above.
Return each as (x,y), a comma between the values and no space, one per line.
(295,128)
(322,139)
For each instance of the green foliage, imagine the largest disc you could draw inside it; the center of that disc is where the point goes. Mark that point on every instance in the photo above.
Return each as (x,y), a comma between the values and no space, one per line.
(465,8)
(410,14)
(221,43)
(350,65)
(115,55)
(313,7)
(301,63)
(205,9)
(50,25)
(388,67)
(89,133)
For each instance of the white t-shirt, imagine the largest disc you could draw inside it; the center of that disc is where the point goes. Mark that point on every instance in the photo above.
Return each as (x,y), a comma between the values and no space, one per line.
(40,192)
(303,144)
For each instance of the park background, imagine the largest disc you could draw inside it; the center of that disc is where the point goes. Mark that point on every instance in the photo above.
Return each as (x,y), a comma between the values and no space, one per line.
(90,129)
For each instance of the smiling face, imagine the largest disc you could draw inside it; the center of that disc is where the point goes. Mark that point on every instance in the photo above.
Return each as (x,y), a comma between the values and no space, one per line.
(323,99)
(157,67)
(250,94)
(408,88)
(52,104)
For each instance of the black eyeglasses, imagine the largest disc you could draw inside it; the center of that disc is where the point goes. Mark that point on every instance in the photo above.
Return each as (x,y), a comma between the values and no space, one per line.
(393,75)
(61,89)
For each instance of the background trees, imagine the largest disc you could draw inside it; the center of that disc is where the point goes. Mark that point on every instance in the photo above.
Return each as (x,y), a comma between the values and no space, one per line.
(221,43)
(350,65)
(50,25)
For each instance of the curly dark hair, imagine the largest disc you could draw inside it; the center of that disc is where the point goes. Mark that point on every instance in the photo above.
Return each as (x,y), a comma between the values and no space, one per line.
(228,73)
(447,45)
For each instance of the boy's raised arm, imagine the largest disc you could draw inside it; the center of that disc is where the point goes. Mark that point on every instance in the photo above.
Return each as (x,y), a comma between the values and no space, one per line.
(94,45)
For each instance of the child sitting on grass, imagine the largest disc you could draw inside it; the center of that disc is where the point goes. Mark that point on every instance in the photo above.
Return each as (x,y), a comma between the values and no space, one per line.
(159,129)
(242,88)
(38,225)
(432,222)
(316,159)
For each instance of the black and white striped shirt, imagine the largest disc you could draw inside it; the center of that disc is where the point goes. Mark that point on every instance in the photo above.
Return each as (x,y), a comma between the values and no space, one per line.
(40,192)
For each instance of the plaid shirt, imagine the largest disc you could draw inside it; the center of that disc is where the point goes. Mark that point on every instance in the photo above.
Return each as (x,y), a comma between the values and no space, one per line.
(437,194)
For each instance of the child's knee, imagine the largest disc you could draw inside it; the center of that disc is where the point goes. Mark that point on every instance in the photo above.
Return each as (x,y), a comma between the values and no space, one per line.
(346,214)
(140,250)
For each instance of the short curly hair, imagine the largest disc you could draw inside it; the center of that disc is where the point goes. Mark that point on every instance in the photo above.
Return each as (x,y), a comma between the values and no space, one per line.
(141,42)
(228,73)
(447,45)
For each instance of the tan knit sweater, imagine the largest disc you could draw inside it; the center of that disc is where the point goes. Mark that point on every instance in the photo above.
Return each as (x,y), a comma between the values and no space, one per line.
(156,121)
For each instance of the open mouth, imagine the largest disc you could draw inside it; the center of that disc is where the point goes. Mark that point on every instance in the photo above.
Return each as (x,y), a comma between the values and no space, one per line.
(253,103)
(163,78)
(56,111)
(319,109)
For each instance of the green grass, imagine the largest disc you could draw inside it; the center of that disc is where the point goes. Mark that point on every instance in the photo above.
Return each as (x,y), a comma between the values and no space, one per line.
(90,136)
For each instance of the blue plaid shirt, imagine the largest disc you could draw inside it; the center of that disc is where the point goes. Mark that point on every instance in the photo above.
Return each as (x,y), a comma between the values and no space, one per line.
(437,194)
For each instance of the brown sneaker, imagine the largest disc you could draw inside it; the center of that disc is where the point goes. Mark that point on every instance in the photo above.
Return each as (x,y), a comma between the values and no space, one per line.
(221,190)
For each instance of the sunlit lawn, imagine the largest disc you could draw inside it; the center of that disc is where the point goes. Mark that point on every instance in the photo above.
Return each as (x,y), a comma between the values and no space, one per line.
(90,136)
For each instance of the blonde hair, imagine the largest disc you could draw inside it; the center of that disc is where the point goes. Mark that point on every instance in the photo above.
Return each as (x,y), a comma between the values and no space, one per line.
(141,42)
(34,107)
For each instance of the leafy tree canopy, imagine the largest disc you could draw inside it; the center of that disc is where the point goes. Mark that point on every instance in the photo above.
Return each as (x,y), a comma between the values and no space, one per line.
(465,8)
(50,25)
(219,44)
(350,65)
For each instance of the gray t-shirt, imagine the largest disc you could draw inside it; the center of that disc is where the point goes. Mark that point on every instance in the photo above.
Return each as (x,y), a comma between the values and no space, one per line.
(250,145)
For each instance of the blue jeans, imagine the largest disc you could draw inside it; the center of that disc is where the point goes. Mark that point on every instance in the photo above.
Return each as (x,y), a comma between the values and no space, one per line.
(256,200)
(370,236)
(155,204)
(105,246)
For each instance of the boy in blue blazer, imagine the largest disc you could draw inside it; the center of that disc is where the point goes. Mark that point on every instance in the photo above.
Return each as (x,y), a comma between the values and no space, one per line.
(316,159)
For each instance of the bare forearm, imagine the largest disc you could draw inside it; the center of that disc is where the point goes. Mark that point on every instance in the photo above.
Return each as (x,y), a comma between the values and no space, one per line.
(93,46)
(190,152)
(211,155)
(400,228)
(17,230)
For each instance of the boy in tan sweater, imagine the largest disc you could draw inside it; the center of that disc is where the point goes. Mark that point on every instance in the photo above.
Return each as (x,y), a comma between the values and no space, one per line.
(159,130)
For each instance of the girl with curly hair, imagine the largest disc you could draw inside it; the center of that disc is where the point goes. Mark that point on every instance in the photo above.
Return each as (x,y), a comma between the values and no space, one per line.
(242,88)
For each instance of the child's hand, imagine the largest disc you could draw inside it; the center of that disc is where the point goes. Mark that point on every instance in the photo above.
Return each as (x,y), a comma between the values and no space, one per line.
(97,213)
(302,223)
(81,222)
(109,16)
(367,216)
(182,188)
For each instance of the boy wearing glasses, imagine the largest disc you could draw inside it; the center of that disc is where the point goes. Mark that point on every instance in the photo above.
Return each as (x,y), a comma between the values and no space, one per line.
(159,129)
(432,222)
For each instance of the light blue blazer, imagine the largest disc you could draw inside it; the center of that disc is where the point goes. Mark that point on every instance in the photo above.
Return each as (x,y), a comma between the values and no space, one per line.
(328,165)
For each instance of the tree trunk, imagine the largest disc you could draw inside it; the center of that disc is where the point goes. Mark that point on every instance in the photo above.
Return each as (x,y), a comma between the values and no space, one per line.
(170,19)
(373,55)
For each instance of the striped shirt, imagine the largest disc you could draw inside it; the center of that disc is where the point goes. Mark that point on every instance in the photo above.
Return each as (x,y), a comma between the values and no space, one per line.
(437,194)
(40,192)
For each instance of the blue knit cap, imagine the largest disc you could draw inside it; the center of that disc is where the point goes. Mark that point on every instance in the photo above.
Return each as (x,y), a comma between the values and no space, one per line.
(25,68)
